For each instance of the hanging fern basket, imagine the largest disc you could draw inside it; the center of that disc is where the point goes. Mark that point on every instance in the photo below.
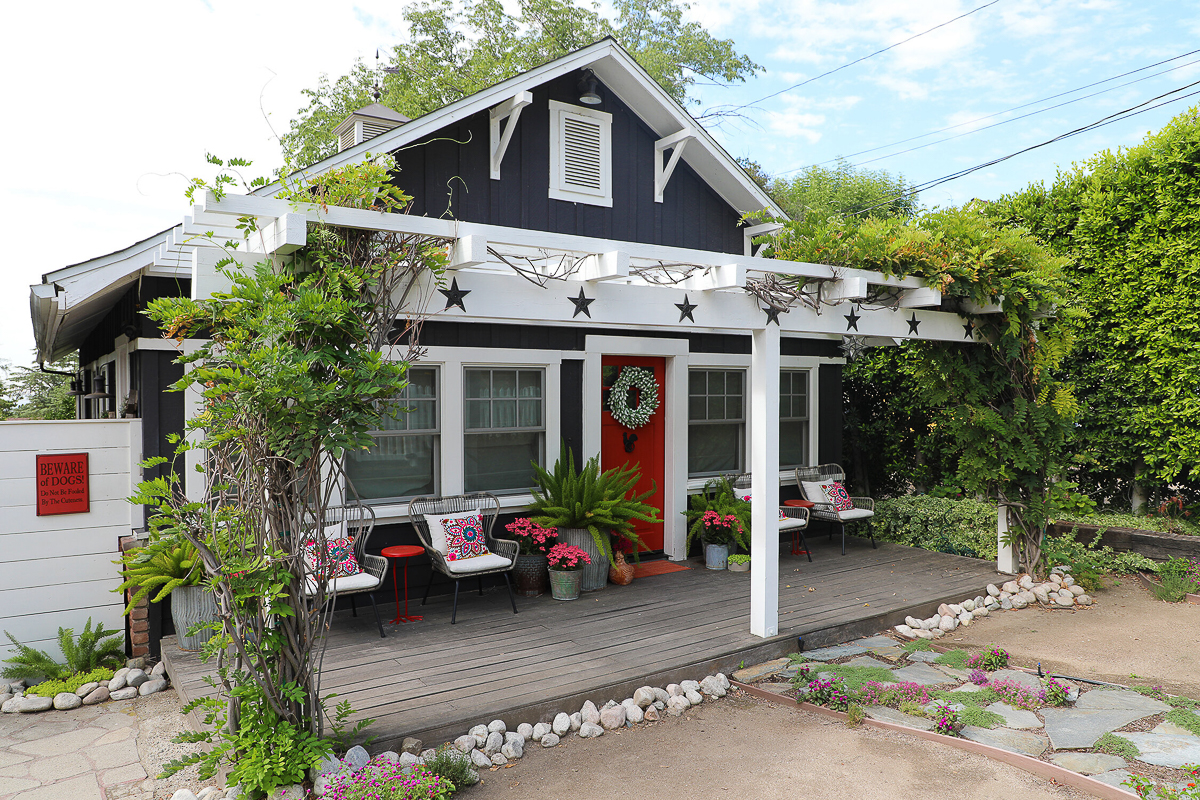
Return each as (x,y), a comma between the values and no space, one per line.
(635,416)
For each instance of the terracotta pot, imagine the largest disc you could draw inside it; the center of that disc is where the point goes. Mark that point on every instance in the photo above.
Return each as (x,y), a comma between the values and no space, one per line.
(595,575)
(620,572)
(565,584)
(530,576)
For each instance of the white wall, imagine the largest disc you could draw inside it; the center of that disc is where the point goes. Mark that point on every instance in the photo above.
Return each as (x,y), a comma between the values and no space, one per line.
(56,571)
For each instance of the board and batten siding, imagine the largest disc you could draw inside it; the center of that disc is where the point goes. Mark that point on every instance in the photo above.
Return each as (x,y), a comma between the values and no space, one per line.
(57,571)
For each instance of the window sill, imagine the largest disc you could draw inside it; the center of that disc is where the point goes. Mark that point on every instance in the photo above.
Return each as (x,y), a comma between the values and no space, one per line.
(696,485)
(394,513)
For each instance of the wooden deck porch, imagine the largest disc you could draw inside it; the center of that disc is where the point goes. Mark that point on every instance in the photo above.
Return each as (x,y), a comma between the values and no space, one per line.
(434,680)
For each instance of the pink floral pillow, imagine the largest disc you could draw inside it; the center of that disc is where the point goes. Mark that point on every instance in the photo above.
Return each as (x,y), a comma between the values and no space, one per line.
(339,561)
(465,537)
(838,496)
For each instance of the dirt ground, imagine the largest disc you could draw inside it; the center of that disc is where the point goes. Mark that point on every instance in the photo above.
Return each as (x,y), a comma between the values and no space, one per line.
(1127,633)
(742,747)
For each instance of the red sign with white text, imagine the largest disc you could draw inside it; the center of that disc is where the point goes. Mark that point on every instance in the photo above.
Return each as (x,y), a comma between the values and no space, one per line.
(62,484)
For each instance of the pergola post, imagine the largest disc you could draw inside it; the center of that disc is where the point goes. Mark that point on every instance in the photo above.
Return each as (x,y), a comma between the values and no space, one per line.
(764,482)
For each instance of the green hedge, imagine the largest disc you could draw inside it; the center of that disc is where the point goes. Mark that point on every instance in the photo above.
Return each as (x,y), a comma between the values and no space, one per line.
(965,527)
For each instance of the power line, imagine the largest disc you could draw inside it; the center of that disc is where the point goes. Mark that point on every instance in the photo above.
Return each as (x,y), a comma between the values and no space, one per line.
(1118,116)
(1017,108)
(1022,116)
(864,58)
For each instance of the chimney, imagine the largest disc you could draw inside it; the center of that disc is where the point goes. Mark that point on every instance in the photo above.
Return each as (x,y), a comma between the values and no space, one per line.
(367,123)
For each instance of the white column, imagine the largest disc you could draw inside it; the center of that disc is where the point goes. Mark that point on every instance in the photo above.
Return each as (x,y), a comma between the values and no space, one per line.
(764,487)
(1007,558)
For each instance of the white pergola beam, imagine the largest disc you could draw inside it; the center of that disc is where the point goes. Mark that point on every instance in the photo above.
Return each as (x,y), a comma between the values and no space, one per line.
(845,289)
(280,236)
(764,481)
(920,298)
(468,251)
(609,266)
(498,141)
(759,230)
(676,142)
(971,307)
(726,276)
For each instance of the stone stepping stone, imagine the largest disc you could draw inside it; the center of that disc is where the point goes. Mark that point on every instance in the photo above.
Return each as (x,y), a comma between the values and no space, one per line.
(867,661)
(926,656)
(1078,728)
(1023,742)
(1018,718)
(1114,777)
(874,641)
(772,686)
(1166,750)
(789,672)
(760,671)
(922,674)
(893,653)
(1090,763)
(835,652)
(1121,698)
(956,674)
(969,687)
(892,715)
(1016,676)
(1172,729)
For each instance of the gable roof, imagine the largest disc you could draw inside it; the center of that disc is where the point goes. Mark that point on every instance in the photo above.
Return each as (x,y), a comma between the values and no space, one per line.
(623,76)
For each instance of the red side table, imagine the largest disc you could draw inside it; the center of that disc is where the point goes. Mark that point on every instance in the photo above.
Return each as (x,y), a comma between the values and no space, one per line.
(796,551)
(404,551)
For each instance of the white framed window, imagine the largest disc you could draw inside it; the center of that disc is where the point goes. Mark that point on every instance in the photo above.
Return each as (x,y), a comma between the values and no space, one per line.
(504,427)
(404,462)
(716,421)
(793,418)
(580,154)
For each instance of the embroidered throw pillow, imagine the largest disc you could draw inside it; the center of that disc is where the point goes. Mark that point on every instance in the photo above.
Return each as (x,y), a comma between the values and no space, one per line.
(437,528)
(838,496)
(339,559)
(464,537)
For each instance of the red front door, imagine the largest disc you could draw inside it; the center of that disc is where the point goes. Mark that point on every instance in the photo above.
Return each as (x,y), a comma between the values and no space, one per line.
(644,446)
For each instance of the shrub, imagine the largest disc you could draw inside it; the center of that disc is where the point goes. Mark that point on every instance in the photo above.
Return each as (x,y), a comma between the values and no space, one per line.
(388,781)
(1117,746)
(945,720)
(1147,523)
(95,648)
(964,527)
(70,684)
(453,766)
(855,715)
(1089,561)
(1178,577)
(1145,787)
(1054,693)
(912,709)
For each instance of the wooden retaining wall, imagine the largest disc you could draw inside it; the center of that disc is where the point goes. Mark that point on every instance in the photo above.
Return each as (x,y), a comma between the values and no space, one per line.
(1152,544)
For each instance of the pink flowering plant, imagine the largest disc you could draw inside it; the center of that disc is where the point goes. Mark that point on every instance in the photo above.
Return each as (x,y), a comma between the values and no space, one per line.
(567,558)
(978,677)
(532,538)
(875,693)
(991,659)
(945,720)
(1018,694)
(721,529)
(1054,692)
(388,781)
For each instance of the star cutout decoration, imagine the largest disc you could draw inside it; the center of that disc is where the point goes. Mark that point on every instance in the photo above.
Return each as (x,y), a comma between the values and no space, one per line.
(852,320)
(685,309)
(581,304)
(772,315)
(853,346)
(969,327)
(913,323)
(455,295)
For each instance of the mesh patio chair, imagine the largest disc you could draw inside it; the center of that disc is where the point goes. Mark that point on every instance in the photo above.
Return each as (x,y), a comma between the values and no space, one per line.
(797,518)
(811,479)
(499,561)
(357,522)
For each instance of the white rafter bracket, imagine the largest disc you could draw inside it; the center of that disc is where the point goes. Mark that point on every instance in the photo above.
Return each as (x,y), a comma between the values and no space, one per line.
(662,174)
(468,251)
(726,276)
(844,289)
(920,298)
(510,109)
(205,278)
(759,230)
(971,307)
(609,266)
(281,236)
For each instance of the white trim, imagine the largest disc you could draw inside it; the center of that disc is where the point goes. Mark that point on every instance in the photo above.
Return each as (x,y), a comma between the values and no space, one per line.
(560,188)
(758,230)
(510,109)
(764,459)
(676,142)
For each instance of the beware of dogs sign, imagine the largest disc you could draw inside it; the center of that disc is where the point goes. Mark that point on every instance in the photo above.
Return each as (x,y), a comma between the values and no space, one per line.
(62,484)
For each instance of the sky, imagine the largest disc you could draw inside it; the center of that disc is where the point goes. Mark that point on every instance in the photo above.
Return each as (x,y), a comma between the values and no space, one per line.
(110,107)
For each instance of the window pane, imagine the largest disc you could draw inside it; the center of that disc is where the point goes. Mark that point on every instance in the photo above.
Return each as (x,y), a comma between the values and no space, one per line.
(716,408)
(531,413)
(501,461)
(696,407)
(422,415)
(530,383)
(697,380)
(504,413)
(422,383)
(393,417)
(716,382)
(478,383)
(479,414)
(714,449)
(504,383)
(793,444)
(785,383)
(397,466)
(733,408)
(733,383)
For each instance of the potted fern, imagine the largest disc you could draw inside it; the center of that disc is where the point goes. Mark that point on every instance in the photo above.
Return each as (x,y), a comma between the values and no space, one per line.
(720,519)
(171,566)
(589,507)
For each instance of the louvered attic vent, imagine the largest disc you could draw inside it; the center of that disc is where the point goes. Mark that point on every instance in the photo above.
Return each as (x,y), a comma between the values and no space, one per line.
(367,123)
(580,154)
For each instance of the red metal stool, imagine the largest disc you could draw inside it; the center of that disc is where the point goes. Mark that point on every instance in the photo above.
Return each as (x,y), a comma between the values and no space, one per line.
(796,551)
(404,551)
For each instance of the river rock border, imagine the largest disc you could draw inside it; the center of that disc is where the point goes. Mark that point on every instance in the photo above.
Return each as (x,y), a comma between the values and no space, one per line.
(129,682)
(1059,591)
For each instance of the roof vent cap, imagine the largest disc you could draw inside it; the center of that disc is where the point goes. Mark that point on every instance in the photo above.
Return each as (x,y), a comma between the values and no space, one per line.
(367,123)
